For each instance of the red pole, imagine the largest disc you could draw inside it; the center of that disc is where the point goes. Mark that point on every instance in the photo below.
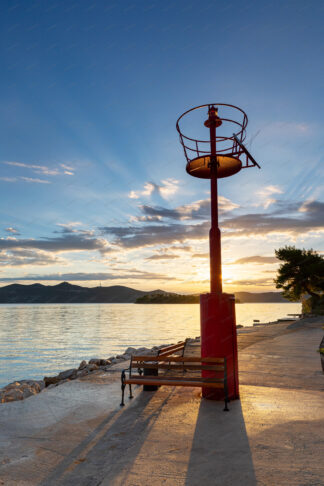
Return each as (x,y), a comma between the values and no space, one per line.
(217,310)
(214,233)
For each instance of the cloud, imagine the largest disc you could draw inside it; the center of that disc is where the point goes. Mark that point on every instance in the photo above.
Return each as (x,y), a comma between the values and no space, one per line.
(35,180)
(88,277)
(310,219)
(167,188)
(164,256)
(43,169)
(25,179)
(8,179)
(14,258)
(12,231)
(261,282)
(196,210)
(286,219)
(66,242)
(180,247)
(265,195)
(148,235)
(262,260)
(71,228)
(200,255)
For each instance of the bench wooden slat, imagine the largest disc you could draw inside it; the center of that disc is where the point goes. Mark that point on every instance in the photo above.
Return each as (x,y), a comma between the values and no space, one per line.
(171,352)
(173,347)
(183,366)
(179,382)
(187,359)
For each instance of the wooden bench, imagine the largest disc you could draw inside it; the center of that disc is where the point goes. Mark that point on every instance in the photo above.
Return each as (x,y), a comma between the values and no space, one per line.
(175,373)
(174,348)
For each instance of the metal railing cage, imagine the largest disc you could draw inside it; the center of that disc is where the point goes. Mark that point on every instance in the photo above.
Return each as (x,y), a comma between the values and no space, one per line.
(228,134)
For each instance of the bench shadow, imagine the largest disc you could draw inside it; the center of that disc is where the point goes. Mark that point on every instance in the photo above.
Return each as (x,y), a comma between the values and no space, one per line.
(112,447)
(220,453)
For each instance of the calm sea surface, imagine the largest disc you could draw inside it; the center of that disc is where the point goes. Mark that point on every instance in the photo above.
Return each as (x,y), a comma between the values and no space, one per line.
(42,339)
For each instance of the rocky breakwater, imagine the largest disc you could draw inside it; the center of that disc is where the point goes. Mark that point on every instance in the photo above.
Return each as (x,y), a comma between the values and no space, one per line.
(19,390)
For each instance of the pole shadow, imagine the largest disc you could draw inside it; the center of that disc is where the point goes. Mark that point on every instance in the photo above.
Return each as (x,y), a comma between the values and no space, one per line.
(114,450)
(220,453)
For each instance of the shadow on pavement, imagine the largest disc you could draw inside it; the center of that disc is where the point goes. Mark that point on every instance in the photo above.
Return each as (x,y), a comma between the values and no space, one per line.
(220,453)
(110,449)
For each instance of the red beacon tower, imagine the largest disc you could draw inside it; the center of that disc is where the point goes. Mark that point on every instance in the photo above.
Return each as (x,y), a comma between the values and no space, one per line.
(222,155)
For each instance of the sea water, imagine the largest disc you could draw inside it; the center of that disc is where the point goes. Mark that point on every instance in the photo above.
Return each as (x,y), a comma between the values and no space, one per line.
(38,340)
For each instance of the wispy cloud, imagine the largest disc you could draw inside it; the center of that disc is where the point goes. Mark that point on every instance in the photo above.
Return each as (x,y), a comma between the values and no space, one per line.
(11,230)
(266,195)
(25,179)
(21,258)
(64,243)
(149,235)
(260,282)
(164,256)
(44,169)
(73,227)
(196,210)
(35,180)
(167,188)
(311,219)
(89,277)
(261,260)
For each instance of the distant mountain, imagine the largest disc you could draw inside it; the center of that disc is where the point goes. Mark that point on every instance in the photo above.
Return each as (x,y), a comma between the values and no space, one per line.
(66,293)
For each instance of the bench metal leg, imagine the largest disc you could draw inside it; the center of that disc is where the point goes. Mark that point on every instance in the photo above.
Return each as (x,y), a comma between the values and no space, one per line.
(130,391)
(226,409)
(122,404)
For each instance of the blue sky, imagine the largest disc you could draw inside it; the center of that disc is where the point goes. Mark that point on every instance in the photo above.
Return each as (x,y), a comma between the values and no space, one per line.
(89,96)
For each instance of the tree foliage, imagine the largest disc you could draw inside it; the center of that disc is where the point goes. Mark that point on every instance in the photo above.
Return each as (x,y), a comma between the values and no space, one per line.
(302,272)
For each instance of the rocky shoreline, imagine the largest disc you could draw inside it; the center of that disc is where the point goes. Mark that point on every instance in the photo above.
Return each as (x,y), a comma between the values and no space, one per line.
(20,390)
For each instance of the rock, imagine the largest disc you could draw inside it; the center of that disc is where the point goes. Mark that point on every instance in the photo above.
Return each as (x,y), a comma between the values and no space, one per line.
(20,390)
(83,364)
(121,357)
(81,373)
(95,361)
(28,392)
(51,380)
(145,351)
(239,326)
(99,362)
(126,356)
(92,367)
(68,374)
(12,395)
(130,350)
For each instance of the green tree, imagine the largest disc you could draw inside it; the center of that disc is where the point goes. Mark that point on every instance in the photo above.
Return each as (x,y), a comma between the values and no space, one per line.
(302,272)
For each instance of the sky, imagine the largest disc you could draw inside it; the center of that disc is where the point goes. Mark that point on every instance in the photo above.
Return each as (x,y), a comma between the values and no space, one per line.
(93,184)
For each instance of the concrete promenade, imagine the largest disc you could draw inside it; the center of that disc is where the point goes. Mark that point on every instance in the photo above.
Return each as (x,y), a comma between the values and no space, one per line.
(76,434)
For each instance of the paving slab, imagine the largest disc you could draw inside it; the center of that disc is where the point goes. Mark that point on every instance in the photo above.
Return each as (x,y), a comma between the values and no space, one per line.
(76,433)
